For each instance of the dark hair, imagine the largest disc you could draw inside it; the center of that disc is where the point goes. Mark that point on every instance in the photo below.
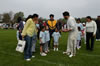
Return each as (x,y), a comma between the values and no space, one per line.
(79,29)
(35,15)
(42,27)
(51,15)
(66,13)
(19,19)
(89,17)
(78,19)
(98,16)
(30,16)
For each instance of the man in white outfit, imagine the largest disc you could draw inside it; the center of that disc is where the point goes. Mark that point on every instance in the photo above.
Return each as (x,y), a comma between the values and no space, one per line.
(72,34)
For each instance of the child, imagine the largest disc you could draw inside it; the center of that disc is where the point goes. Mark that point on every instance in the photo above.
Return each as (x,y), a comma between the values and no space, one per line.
(79,38)
(56,35)
(47,39)
(42,41)
(84,36)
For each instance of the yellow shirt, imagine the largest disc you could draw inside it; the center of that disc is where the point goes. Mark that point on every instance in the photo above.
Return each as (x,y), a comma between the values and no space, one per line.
(52,24)
(29,28)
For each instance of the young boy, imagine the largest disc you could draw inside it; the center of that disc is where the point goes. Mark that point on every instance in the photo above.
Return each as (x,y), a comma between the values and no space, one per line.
(79,38)
(47,39)
(56,35)
(42,41)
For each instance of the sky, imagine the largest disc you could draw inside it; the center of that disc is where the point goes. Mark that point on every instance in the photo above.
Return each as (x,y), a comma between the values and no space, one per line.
(77,8)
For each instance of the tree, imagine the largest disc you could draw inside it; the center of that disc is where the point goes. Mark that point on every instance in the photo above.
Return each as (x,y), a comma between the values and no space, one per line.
(6,18)
(18,14)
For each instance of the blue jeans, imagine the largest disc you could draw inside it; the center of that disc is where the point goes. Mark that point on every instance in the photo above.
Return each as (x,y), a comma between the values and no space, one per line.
(28,47)
(34,43)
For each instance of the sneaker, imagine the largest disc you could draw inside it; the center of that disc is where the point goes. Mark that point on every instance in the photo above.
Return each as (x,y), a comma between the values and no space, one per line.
(97,39)
(43,54)
(64,52)
(71,56)
(33,56)
(28,59)
(78,48)
(46,51)
(57,49)
(54,49)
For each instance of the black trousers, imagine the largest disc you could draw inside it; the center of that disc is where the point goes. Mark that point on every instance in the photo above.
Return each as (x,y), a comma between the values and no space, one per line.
(89,41)
(98,34)
(51,32)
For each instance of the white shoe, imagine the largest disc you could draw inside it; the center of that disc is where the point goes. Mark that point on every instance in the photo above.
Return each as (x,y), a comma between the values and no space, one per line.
(57,49)
(64,52)
(46,51)
(78,48)
(54,49)
(33,56)
(28,59)
(43,54)
(97,39)
(71,56)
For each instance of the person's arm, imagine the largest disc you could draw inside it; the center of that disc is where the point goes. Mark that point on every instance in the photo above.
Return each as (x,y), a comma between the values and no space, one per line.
(25,28)
(95,29)
(71,24)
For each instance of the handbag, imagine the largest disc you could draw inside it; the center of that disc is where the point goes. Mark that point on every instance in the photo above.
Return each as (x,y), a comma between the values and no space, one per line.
(20,46)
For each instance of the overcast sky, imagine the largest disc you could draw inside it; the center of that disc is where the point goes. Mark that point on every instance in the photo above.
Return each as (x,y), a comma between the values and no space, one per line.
(77,8)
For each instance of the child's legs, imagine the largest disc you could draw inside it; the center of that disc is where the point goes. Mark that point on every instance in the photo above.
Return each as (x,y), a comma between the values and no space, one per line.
(45,47)
(17,35)
(78,42)
(55,44)
(41,47)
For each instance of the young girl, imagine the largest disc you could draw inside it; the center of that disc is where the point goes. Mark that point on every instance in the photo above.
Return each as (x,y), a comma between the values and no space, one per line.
(56,35)
(47,39)
(79,38)
(42,41)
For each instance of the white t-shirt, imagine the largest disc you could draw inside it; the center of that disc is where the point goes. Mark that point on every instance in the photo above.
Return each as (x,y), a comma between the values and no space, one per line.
(80,25)
(42,37)
(47,36)
(56,36)
(91,27)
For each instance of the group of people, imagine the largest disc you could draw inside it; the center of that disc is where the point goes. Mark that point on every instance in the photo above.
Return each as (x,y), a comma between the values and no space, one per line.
(32,30)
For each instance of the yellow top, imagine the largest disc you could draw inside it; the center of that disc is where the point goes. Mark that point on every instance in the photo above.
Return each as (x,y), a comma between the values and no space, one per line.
(52,24)
(29,28)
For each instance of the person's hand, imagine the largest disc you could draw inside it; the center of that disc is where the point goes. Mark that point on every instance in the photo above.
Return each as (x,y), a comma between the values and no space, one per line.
(70,30)
(23,36)
(65,30)
(94,35)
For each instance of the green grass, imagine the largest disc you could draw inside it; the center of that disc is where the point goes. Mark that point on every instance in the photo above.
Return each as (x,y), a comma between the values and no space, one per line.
(9,57)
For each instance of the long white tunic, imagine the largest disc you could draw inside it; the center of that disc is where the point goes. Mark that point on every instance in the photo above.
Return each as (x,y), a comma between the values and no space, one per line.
(71,24)
(72,36)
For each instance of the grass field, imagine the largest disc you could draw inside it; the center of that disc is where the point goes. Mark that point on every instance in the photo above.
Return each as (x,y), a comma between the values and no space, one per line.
(9,57)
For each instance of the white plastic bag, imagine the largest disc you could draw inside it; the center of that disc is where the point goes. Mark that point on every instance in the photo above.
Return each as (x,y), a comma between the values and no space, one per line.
(20,46)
